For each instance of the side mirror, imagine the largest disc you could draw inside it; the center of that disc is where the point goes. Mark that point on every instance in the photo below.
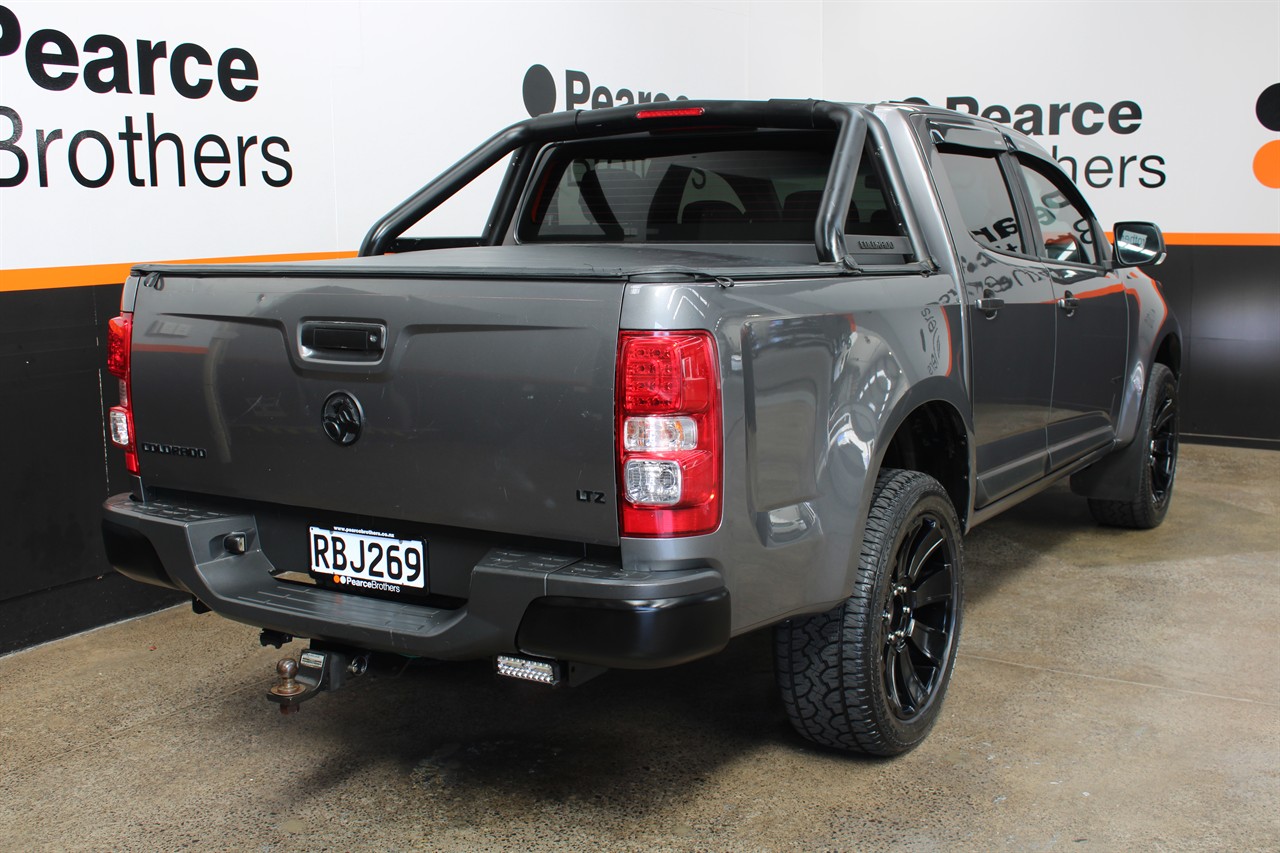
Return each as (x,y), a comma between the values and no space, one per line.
(1138,244)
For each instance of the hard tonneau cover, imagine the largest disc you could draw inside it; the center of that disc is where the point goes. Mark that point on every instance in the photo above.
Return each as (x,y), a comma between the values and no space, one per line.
(547,261)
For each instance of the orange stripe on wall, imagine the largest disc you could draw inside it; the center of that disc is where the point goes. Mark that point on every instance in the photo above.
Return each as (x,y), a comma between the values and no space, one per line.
(1187,238)
(44,278)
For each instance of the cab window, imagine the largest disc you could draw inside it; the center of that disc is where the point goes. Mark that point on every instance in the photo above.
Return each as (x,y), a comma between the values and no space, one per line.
(1066,228)
(764,187)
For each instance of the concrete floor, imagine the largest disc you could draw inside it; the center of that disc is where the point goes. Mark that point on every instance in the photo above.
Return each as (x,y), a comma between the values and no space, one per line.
(1114,691)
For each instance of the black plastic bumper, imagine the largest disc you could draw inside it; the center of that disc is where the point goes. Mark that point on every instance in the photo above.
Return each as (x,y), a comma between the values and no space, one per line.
(633,634)
(131,554)
(546,605)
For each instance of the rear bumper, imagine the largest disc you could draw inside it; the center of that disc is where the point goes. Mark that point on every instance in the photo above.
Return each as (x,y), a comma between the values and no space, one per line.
(539,604)
(629,633)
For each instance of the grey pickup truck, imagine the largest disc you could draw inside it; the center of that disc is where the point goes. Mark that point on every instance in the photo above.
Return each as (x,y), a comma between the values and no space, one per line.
(711,367)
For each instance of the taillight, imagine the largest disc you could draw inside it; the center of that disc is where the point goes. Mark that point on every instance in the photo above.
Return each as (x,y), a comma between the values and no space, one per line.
(668,429)
(671,112)
(120,418)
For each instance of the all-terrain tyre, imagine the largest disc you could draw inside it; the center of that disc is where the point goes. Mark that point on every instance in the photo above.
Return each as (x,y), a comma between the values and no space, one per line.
(870,674)
(1159,430)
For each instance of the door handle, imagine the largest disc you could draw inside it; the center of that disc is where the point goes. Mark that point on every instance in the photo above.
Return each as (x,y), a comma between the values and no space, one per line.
(989,304)
(1069,303)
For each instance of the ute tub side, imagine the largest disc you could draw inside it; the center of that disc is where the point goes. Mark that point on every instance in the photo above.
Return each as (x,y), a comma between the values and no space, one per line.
(519,601)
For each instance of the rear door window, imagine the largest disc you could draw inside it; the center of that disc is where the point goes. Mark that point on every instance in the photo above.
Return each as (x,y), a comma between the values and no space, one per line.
(986,204)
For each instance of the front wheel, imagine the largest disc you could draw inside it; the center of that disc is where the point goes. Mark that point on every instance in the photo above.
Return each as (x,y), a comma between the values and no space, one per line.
(1147,507)
(870,674)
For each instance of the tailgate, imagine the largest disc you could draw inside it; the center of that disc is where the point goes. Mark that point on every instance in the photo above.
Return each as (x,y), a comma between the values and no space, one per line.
(487,403)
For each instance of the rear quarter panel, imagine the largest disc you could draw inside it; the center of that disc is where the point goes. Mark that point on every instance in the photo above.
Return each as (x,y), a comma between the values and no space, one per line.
(816,374)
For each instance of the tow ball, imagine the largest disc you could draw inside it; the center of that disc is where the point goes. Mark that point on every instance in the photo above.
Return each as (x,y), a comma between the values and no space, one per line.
(314,672)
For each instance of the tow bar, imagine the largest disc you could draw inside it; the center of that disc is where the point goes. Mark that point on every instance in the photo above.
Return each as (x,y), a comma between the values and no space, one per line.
(314,672)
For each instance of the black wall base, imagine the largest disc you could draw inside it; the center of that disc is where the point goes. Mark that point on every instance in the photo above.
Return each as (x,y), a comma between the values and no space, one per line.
(49,614)
(1227,299)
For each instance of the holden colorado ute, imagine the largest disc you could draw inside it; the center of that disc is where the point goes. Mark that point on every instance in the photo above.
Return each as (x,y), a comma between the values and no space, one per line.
(711,367)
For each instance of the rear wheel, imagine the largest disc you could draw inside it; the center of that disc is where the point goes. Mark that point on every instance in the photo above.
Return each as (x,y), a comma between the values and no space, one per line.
(870,675)
(1159,430)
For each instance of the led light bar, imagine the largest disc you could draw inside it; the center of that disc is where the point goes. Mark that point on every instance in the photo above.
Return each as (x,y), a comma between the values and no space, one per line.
(540,671)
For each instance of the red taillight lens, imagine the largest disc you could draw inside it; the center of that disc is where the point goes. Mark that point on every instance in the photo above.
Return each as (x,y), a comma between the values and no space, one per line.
(669,433)
(119,333)
(120,418)
(664,373)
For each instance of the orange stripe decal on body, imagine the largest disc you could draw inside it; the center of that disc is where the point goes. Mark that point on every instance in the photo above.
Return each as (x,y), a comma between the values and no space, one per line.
(45,278)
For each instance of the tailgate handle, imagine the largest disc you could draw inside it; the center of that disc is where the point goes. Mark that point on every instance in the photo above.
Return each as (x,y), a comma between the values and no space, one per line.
(344,337)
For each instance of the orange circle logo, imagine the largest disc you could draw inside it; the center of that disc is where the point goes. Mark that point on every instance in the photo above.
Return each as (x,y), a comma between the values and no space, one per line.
(1266,163)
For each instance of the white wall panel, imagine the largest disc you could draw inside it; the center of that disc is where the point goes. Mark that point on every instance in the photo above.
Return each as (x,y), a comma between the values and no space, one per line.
(373,99)
(1196,69)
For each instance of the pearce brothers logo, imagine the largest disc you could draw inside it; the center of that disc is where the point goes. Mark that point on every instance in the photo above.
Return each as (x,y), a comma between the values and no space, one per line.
(540,96)
(1266,163)
(141,153)
(1085,118)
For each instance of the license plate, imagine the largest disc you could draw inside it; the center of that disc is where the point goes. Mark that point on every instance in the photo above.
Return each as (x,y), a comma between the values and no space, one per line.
(367,559)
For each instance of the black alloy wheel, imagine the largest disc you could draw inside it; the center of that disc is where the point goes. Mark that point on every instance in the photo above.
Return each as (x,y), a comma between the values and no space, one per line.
(1163,454)
(870,674)
(920,619)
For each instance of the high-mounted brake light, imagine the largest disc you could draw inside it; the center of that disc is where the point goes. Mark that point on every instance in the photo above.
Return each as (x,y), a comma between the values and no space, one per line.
(120,418)
(669,442)
(675,112)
